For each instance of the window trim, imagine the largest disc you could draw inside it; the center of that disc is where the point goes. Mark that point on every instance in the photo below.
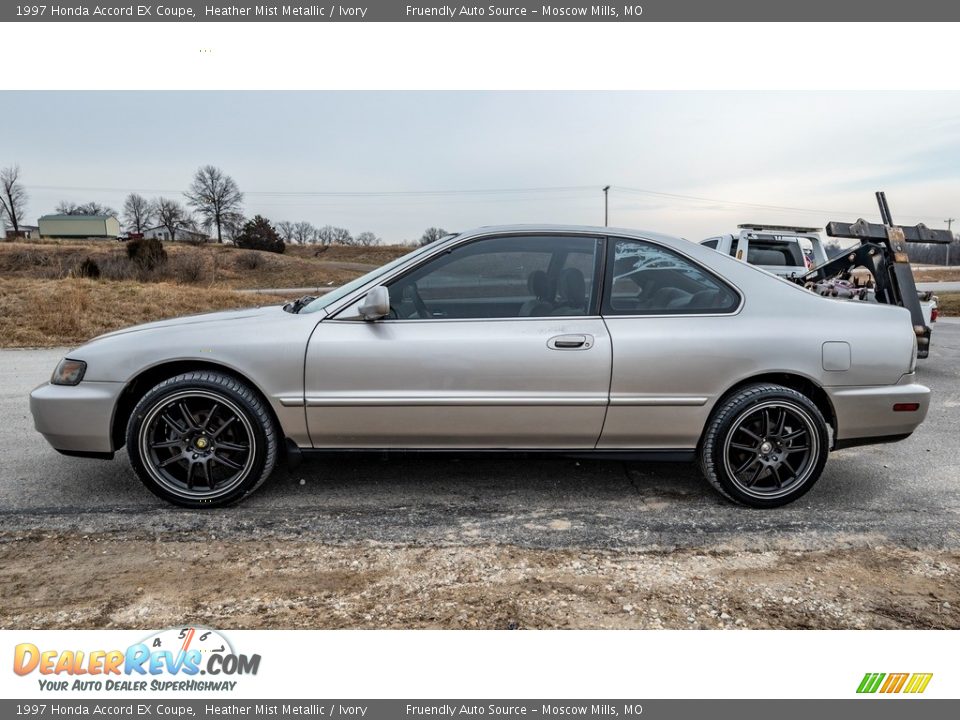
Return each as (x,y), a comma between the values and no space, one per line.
(607,311)
(593,311)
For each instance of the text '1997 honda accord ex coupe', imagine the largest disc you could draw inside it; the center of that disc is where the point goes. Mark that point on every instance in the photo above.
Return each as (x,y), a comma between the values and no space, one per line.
(587,341)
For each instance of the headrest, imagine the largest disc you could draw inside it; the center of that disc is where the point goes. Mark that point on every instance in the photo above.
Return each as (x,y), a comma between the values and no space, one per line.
(538,284)
(573,288)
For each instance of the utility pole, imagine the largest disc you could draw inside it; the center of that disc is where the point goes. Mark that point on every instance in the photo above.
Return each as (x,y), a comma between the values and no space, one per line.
(606,206)
(949,222)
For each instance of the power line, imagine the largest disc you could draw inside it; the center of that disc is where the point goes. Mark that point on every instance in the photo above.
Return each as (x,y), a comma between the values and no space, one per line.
(735,203)
(338,194)
(513,193)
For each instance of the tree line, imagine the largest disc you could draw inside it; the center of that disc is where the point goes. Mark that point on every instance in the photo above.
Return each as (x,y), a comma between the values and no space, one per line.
(213,203)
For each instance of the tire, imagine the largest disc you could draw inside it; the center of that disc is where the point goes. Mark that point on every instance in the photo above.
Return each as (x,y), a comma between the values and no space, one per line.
(202,439)
(764,446)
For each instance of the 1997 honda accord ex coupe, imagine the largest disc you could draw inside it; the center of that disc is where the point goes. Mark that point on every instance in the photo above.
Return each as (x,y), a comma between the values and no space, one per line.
(579,340)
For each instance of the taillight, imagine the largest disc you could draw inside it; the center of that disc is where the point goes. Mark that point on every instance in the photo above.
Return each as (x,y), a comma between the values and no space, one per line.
(906,407)
(934,314)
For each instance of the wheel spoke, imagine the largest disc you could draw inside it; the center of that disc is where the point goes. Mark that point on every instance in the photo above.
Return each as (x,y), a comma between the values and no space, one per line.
(207,476)
(232,447)
(756,475)
(783,421)
(749,432)
(223,427)
(795,448)
(745,466)
(191,421)
(767,422)
(166,444)
(206,422)
(776,476)
(173,423)
(170,460)
(795,433)
(226,461)
(190,467)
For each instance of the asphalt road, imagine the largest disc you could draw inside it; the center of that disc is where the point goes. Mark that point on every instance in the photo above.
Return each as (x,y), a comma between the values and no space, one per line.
(905,494)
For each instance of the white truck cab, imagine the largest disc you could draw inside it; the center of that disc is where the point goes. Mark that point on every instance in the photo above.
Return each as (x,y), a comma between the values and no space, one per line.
(779,249)
(790,251)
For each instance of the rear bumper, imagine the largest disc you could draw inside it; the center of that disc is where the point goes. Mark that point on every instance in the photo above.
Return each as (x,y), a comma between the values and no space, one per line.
(77,419)
(867,414)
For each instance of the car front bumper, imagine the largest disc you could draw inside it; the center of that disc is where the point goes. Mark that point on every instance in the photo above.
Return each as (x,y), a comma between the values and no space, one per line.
(866,414)
(76,419)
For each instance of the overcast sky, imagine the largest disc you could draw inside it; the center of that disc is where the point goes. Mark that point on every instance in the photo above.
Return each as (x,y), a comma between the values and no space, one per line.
(822,154)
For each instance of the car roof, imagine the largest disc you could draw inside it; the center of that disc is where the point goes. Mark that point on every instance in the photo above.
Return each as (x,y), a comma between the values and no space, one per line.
(587,229)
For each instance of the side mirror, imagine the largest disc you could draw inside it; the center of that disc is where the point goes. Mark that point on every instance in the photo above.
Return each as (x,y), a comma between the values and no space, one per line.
(376,303)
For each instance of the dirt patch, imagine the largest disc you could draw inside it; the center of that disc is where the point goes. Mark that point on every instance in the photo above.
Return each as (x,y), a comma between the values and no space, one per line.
(93,582)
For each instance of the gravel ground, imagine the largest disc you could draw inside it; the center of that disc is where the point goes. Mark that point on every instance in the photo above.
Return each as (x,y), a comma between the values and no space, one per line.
(125,583)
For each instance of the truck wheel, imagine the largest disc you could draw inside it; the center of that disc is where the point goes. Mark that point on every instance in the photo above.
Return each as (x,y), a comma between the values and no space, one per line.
(201,439)
(764,446)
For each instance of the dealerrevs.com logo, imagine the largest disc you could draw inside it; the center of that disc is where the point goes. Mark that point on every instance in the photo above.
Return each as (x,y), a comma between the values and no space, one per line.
(909,683)
(178,659)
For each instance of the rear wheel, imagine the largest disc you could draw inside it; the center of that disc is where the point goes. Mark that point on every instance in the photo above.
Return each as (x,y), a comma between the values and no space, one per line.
(201,439)
(765,446)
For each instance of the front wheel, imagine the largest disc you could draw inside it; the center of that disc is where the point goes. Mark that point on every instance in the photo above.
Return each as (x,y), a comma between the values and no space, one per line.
(765,446)
(201,439)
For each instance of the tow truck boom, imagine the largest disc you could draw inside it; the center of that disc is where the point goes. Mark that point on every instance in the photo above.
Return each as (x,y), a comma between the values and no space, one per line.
(882,251)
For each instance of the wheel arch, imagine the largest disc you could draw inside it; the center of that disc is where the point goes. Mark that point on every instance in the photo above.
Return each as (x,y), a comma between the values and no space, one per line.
(802,384)
(138,386)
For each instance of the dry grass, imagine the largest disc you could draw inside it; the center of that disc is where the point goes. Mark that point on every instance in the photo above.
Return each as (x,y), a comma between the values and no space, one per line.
(937,274)
(36,313)
(949,303)
(224,265)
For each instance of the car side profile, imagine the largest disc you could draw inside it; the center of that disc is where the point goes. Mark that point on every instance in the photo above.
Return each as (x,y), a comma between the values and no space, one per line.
(597,342)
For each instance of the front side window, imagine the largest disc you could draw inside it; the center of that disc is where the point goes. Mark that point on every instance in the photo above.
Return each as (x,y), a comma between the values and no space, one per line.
(504,277)
(644,278)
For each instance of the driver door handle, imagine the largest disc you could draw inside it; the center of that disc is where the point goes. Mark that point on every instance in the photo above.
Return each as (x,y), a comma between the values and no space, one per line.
(570,342)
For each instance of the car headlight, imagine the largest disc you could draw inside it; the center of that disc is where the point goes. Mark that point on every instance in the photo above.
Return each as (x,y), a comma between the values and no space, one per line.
(69,372)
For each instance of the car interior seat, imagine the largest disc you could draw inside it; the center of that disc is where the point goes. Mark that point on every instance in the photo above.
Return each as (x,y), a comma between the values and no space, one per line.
(572,293)
(538,284)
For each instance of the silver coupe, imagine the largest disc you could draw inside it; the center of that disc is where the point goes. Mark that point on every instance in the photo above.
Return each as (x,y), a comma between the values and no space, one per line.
(585,341)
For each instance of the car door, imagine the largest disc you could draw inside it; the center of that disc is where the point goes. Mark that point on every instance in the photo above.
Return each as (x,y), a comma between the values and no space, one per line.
(496,343)
(677,341)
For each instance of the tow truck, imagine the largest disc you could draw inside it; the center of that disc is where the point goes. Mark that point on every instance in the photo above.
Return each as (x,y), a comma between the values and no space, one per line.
(877,269)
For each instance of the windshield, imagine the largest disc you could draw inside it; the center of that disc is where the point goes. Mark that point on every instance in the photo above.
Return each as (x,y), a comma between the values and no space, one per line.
(344,290)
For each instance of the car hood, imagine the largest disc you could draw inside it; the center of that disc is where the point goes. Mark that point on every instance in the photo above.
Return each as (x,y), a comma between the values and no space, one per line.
(214,317)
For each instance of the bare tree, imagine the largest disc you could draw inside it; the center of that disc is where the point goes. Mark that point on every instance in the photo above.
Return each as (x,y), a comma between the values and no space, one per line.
(137,213)
(217,200)
(13,197)
(171,216)
(304,232)
(90,208)
(367,239)
(330,235)
(432,234)
(285,230)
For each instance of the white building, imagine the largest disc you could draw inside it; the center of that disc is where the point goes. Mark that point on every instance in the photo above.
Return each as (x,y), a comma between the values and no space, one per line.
(180,234)
(79,226)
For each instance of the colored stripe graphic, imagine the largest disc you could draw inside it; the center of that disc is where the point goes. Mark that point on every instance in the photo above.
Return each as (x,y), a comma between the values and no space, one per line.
(918,683)
(870,682)
(894,683)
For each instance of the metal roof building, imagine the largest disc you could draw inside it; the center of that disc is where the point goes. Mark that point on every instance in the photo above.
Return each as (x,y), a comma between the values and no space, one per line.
(79,226)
